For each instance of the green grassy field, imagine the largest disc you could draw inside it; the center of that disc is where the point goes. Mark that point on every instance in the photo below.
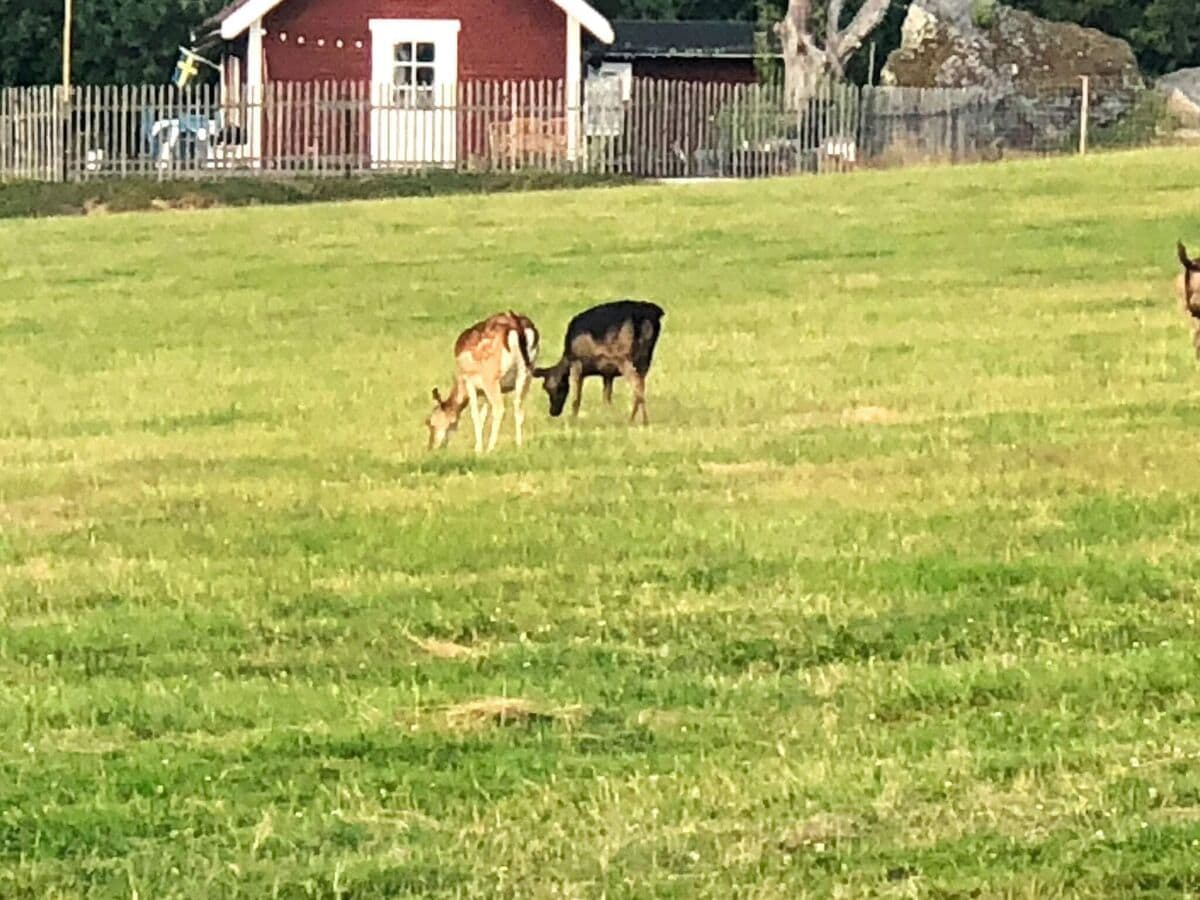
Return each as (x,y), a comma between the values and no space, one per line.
(895,597)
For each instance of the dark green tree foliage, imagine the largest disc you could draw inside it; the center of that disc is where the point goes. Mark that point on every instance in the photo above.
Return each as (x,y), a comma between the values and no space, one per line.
(1168,36)
(135,41)
(113,41)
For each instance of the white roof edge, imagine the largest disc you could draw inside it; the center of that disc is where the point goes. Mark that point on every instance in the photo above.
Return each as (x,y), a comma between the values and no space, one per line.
(244,16)
(248,13)
(589,18)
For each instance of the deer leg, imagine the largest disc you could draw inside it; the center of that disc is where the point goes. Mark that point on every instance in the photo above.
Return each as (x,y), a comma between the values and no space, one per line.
(496,402)
(577,388)
(638,381)
(639,389)
(608,384)
(475,417)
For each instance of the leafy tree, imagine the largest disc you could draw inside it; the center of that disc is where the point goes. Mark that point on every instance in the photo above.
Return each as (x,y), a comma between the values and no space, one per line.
(113,41)
(1168,36)
(136,41)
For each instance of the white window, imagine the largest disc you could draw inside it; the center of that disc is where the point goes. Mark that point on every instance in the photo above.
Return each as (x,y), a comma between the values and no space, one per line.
(414,74)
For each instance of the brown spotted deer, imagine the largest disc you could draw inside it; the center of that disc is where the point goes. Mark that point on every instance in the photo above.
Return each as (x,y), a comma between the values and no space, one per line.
(1187,286)
(493,358)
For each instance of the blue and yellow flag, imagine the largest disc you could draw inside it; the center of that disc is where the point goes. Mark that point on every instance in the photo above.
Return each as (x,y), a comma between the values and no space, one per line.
(188,67)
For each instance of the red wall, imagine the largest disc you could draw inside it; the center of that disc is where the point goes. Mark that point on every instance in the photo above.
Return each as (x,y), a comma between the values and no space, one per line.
(500,39)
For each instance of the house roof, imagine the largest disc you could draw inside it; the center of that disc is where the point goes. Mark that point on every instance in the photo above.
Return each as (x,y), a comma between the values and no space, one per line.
(239,15)
(636,38)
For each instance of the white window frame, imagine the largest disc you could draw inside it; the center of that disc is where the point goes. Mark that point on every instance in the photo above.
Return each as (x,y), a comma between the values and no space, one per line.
(387,33)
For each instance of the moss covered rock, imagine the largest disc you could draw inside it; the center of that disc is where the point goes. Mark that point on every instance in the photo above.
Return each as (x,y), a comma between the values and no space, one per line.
(981,43)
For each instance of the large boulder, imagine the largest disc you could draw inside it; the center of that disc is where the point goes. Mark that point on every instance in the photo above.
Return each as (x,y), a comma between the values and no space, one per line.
(1182,91)
(1007,52)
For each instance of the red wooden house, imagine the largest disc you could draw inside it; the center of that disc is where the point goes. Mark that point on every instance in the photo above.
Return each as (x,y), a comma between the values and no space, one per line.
(407,78)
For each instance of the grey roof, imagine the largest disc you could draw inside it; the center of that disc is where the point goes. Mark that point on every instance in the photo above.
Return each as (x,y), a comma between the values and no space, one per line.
(642,39)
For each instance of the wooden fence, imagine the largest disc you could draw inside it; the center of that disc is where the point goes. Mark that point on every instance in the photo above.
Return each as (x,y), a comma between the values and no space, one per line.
(640,127)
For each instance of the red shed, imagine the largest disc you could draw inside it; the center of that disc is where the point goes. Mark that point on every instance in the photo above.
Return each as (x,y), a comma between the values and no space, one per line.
(416,58)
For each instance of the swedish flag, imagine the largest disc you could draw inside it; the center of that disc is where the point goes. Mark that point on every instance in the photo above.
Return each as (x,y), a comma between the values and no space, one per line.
(186,69)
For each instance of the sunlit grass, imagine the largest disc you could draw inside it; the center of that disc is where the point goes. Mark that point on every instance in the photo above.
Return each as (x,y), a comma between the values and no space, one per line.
(896,596)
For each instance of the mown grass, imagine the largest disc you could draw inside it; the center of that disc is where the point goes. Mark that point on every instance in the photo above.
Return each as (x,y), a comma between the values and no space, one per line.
(778,644)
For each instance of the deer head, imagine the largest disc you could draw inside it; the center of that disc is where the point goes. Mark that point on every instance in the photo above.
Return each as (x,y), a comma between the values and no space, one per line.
(442,421)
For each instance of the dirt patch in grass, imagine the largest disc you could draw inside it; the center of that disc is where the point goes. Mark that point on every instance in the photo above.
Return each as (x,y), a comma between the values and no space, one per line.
(447,649)
(187,201)
(493,712)
(43,515)
(819,831)
(751,467)
(870,415)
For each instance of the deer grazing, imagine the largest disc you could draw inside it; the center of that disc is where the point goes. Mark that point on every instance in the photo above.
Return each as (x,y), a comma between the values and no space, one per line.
(493,358)
(1187,286)
(610,340)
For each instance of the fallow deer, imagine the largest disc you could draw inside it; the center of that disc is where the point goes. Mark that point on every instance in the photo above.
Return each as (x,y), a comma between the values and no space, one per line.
(1187,286)
(493,357)
(610,340)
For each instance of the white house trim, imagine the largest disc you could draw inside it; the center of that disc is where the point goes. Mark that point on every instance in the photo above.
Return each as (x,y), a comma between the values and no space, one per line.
(254,89)
(413,29)
(243,17)
(596,25)
(574,80)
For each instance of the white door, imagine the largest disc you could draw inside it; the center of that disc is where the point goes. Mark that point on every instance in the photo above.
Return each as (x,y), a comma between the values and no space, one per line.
(414,73)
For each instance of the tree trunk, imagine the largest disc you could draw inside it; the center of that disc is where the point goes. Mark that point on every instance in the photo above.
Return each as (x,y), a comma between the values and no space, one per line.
(803,61)
(805,64)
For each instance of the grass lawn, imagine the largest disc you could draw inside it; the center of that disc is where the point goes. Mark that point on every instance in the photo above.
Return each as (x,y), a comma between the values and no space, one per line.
(895,597)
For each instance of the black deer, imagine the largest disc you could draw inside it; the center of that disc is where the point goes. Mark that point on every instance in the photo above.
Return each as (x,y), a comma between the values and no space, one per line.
(610,340)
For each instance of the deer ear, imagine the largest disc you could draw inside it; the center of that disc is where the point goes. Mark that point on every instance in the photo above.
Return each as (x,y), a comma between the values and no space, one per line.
(437,396)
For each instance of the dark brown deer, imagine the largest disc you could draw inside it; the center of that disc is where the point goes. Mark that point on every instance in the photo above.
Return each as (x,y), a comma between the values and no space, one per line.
(1187,287)
(493,358)
(611,340)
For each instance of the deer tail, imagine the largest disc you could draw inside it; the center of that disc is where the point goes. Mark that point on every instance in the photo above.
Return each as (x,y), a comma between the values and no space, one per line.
(522,341)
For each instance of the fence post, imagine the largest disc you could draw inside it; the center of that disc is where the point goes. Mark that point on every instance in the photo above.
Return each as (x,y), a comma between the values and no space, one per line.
(1083,115)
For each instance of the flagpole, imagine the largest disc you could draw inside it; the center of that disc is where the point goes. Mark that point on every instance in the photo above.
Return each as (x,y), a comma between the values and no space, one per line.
(65,131)
(66,48)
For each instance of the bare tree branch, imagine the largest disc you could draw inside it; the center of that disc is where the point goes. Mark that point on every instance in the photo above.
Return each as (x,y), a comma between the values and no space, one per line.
(865,21)
(833,15)
(793,29)
(805,62)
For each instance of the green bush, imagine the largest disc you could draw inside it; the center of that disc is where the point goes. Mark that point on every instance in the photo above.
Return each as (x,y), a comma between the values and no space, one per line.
(1147,120)
(983,13)
(753,124)
(33,199)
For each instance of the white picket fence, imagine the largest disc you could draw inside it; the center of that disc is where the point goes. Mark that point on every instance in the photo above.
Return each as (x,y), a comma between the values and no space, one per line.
(639,127)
